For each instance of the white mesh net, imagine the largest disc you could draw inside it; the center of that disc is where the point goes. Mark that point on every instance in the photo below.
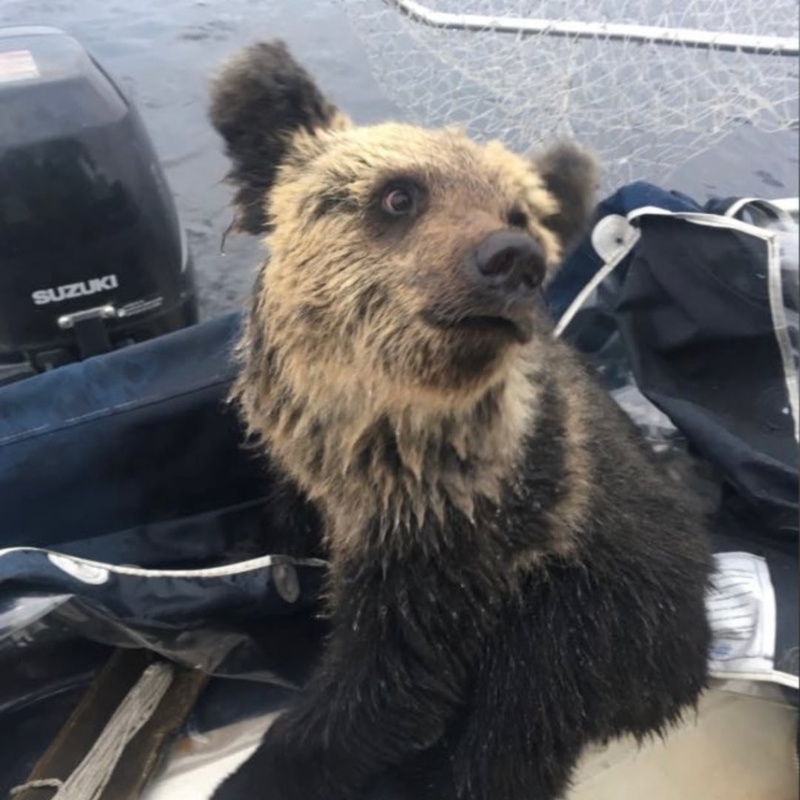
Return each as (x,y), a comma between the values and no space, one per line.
(644,108)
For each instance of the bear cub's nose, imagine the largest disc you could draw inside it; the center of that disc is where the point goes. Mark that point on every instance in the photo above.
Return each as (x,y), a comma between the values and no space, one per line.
(510,260)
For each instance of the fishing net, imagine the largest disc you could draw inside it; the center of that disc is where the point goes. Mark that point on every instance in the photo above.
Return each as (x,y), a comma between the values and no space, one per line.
(645,104)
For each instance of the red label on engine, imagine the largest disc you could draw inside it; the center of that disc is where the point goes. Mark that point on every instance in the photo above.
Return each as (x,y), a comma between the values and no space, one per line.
(17,65)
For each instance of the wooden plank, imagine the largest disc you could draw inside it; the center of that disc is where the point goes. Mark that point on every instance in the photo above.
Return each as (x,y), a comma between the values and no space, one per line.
(144,753)
(87,721)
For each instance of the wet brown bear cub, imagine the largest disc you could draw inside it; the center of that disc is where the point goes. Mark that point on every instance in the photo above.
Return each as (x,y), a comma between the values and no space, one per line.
(511,577)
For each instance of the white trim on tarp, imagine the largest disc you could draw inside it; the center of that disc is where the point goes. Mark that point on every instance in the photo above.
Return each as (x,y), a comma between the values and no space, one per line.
(601,274)
(791,205)
(91,571)
(781,210)
(774,676)
(781,327)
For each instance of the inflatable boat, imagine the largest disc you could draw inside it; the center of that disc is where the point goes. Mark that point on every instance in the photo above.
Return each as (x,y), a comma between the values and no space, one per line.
(160,585)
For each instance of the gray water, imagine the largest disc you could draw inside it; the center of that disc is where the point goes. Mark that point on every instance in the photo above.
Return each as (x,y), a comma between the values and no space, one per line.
(162,53)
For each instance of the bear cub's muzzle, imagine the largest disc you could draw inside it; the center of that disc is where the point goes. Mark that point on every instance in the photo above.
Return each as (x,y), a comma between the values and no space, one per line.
(502,276)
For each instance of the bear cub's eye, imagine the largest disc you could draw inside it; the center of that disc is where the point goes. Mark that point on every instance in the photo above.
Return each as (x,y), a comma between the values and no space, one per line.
(517,218)
(400,199)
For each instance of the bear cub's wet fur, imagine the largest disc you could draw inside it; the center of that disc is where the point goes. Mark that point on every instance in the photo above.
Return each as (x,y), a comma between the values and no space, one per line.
(512,578)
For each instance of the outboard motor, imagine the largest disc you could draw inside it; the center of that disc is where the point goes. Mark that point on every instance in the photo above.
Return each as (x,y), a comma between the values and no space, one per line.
(92,254)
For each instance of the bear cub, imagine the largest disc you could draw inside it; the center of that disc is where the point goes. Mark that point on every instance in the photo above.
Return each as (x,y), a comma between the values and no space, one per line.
(512,578)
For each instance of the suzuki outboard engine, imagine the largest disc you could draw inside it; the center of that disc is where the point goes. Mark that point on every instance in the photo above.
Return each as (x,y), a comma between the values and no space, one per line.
(92,254)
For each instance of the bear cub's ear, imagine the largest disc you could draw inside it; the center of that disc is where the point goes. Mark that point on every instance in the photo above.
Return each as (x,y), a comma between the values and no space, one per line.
(260,98)
(571,175)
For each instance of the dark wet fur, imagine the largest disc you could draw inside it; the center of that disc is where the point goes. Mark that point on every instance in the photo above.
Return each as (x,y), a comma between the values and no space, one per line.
(441,681)
(568,173)
(271,97)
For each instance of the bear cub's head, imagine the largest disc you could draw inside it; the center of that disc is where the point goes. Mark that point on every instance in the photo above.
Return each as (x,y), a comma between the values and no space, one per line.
(404,261)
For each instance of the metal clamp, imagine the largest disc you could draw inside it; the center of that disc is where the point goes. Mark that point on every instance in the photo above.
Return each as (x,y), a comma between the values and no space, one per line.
(68,321)
(90,329)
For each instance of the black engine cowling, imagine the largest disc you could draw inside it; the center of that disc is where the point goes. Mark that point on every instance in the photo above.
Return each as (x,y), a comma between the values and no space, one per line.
(92,254)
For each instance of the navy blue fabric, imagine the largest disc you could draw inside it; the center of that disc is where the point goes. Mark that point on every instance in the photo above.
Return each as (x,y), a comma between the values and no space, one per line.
(584,262)
(137,436)
(692,305)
